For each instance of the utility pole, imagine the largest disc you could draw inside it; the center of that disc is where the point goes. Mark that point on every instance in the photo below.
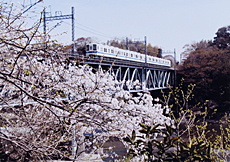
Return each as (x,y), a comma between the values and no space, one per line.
(73,31)
(145,51)
(145,68)
(44,27)
(127,43)
(60,17)
(175,67)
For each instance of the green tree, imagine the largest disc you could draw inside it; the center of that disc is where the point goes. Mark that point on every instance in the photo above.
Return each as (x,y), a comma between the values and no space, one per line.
(222,39)
(117,43)
(153,50)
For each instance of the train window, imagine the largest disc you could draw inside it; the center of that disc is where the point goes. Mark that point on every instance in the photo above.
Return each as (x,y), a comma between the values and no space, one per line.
(105,49)
(108,50)
(136,56)
(112,51)
(101,49)
(141,57)
(131,55)
(90,48)
(118,52)
(149,59)
(94,47)
(126,54)
(87,48)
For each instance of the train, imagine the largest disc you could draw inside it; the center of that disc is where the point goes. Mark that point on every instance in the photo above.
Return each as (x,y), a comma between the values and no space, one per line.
(96,49)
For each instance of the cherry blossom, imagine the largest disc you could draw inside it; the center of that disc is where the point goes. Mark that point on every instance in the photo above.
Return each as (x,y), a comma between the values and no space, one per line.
(45,102)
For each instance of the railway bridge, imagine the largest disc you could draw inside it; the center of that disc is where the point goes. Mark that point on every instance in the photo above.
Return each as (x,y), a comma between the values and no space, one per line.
(129,73)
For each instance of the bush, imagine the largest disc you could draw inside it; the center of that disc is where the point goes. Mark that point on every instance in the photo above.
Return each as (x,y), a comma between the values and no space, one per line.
(184,140)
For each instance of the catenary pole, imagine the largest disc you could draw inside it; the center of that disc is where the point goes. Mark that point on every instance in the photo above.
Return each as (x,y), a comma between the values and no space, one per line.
(145,51)
(175,66)
(73,31)
(127,43)
(60,17)
(44,29)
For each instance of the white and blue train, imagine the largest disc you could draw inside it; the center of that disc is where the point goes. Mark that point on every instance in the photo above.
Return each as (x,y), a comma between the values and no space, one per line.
(95,49)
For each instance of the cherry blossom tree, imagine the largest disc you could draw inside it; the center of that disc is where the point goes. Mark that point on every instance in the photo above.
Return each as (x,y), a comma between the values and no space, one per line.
(47,107)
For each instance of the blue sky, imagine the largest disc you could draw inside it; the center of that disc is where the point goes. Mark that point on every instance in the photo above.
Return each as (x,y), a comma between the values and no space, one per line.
(167,24)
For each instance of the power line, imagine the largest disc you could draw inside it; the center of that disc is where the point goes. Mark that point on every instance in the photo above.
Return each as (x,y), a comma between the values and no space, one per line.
(106,36)
(92,29)
(92,32)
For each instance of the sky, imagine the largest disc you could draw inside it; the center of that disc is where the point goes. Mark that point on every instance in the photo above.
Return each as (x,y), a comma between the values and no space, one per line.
(168,24)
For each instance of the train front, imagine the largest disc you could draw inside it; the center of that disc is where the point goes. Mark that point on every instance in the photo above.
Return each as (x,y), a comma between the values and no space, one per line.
(91,49)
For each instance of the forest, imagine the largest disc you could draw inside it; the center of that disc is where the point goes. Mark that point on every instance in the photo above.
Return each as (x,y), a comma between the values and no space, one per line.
(207,64)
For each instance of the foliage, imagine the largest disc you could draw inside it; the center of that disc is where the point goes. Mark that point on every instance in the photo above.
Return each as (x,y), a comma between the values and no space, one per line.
(166,149)
(185,140)
(208,68)
(207,64)
(221,144)
(222,38)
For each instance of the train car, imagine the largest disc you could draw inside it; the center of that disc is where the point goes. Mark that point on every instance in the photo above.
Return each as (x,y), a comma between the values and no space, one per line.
(95,49)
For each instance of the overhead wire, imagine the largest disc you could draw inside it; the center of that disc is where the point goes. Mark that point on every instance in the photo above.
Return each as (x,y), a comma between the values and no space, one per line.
(92,32)
(92,29)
